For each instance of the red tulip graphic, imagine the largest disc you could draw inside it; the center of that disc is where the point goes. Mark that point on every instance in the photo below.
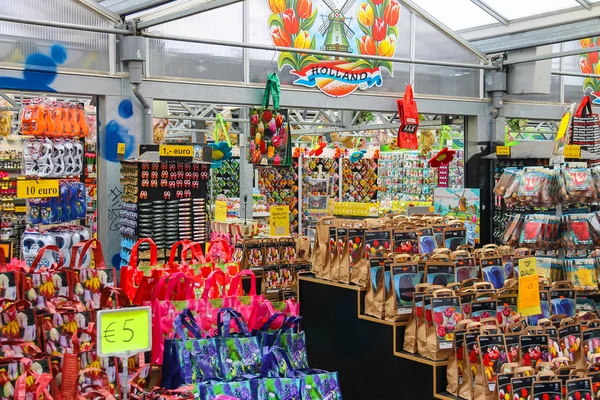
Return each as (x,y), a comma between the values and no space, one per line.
(280,37)
(304,8)
(585,65)
(379,30)
(391,14)
(593,57)
(290,21)
(367,46)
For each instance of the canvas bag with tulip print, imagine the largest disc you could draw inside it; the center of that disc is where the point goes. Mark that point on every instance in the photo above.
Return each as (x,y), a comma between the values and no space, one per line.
(270,142)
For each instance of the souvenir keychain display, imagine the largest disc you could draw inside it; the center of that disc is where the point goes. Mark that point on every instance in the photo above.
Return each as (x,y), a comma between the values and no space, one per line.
(225,179)
(359,180)
(280,186)
(405,176)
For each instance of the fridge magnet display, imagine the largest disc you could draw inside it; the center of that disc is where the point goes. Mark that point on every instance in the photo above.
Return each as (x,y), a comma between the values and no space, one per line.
(359,183)
(534,349)
(446,314)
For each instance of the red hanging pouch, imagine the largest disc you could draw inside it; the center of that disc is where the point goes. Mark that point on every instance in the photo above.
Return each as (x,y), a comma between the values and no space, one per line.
(409,121)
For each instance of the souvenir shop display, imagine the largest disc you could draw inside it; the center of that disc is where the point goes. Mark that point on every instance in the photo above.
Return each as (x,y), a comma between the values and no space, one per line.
(52,158)
(225,179)
(280,186)
(70,205)
(359,180)
(165,201)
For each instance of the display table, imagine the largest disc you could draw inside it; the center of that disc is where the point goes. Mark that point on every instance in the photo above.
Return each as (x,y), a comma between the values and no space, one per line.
(366,351)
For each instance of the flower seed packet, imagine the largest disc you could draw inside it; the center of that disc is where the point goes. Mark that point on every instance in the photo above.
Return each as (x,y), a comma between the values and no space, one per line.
(553,342)
(465,303)
(419,307)
(534,349)
(255,254)
(446,314)
(287,250)
(406,242)
(356,243)
(579,388)
(459,348)
(512,346)
(481,309)
(406,278)
(521,387)
(427,241)
(472,352)
(427,310)
(438,235)
(507,308)
(493,271)
(454,237)
(570,340)
(591,344)
(440,273)
(504,386)
(492,351)
(465,268)
(547,390)
(563,301)
(271,278)
(377,242)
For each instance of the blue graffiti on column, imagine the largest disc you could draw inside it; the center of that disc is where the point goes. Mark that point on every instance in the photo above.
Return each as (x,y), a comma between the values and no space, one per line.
(117,133)
(39,71)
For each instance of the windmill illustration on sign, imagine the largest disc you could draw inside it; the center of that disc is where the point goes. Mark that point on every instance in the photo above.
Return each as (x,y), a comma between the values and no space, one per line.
(337,29)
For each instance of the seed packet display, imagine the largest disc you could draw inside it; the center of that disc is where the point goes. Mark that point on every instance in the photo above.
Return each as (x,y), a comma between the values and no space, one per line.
(582,273)
(356,249)
(459,349)
(492,351)
(465,303)
(454,237)
(553,342)
(472,353)
(287,250)
(585,304)
(512,346)
(377,241)
(579,388)
(504,386)
(569,337)
(446,314)
(547,390)
(563,301)
(534,349)
(238,254)
(591,344)
(481,309)
(271,278)
(406,242)
(493,271)
(405,278)
(544,306)
(254,254)
(440,273)
(507,308)
(521,387)
(427,241)
(465,268)
(286,275)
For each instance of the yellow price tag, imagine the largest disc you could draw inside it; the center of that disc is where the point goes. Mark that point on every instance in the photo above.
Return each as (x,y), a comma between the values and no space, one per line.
(503,151)
(572,151)
(279,220)
(220,211)
(170,150)
(121,148)
(124,331)
(20,209)
(30,189)
(529,290)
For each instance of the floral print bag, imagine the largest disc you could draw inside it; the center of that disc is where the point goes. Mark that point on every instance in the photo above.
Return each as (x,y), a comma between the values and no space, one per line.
(240,354)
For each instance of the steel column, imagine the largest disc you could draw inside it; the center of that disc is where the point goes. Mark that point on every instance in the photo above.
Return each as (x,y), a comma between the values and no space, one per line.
(246,170)
(554,55)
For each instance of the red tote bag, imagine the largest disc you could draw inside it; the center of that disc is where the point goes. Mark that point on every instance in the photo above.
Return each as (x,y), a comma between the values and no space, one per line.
(409,121)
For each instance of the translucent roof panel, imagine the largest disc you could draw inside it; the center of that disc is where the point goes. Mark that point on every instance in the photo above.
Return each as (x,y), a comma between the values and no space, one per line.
(514,9)
(457,14)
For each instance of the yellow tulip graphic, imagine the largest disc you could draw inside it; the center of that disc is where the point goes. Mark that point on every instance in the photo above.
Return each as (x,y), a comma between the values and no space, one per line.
(302,40)
(597,68)
(277,6)
(366,15)
(387,46)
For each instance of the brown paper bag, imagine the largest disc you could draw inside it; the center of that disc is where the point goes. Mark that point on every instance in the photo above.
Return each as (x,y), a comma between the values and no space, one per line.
(471,358)
(321,246)
(440,335)
(492,350)
(359,266)
(571,340)
(410,333)
(403,278)
(455,368)
(354,252)
(341,239)
(375,294)
(422,331)
(303,249)
(507,373)
(523,380)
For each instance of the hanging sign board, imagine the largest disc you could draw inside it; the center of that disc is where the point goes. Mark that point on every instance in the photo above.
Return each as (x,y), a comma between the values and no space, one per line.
(33,189)
(280,220)
(124,331)
(529,290)
(169,150)
(220,211)
(503,151)
(572,151)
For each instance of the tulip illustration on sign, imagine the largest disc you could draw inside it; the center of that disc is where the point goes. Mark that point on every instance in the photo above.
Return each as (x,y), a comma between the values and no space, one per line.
(344,27)
(589,64)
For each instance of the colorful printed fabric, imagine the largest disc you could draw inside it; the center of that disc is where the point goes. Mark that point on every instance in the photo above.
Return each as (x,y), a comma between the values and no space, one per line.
(294,345)
(320,386)
(199,360)
(277,388)
(239,356)
(240,390)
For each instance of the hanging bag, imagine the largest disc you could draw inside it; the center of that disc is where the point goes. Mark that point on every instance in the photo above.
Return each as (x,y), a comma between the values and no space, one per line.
(270,142)
(409,121)
(221,149)
(585,129)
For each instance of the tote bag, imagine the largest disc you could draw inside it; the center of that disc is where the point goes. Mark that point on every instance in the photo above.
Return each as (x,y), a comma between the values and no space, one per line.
(409,121)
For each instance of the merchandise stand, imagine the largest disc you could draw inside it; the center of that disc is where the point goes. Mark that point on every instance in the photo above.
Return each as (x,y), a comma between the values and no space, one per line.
(344,332)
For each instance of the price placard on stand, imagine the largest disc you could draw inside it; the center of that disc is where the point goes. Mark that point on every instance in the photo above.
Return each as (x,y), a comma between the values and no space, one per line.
(572,151)
(503,151)
(220,211)
(33,189)
(124,331)
(529,289)
(279,220)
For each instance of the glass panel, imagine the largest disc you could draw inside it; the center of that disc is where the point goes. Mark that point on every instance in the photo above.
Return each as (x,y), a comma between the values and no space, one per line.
(434,45)
(513,9)
(457,14)
(83,50)
(199,61)
(263,61)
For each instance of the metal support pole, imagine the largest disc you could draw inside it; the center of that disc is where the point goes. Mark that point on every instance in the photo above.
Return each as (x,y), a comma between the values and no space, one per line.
(315,52)
(577,74)
(64,25)
(246,169)
(554,55)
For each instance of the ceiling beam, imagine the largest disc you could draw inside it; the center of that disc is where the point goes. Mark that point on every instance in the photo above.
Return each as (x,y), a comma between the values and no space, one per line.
(445,30)
(100,10)
(584,4)
(541,37)
(499,17)
(127,7)
(186,12)
(523,25)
